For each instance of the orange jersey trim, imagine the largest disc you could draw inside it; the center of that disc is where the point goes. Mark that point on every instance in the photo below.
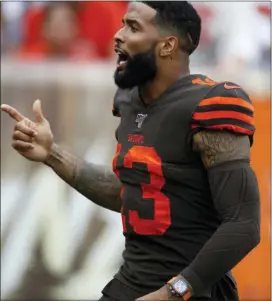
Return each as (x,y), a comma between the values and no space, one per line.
(221,100)
(223,114)
(235,128)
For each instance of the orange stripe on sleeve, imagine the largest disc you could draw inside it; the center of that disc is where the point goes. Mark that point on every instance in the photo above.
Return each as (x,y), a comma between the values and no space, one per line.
(223,114)
(226,101)
(234,128)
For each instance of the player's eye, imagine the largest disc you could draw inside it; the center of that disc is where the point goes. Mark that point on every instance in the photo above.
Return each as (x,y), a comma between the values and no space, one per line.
(133,28)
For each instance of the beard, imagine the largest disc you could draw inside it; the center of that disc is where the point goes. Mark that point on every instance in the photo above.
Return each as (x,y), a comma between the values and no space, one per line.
(139,70)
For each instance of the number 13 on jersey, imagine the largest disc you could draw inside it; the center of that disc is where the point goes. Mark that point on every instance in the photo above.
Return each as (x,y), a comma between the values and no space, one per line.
(153,190)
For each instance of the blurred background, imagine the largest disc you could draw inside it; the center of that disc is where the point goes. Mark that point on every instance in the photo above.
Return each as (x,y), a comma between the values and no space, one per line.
(54,242)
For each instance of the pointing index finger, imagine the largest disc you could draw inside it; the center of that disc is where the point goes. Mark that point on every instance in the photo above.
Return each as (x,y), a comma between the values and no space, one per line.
(13,113)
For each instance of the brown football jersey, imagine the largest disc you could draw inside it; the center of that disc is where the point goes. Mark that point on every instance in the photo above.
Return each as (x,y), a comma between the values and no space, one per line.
(168,213)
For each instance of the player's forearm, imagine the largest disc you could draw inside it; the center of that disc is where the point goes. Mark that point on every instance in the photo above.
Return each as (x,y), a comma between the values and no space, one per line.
(95,182)
(236,195)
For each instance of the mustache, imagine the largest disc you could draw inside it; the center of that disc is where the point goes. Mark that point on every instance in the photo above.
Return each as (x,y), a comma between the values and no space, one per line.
(122,54)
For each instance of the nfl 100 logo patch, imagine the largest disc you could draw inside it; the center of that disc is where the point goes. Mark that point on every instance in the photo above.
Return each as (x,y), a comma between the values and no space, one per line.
(140,119)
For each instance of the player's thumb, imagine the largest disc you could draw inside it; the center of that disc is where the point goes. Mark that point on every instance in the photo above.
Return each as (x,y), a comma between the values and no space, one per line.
(37,109)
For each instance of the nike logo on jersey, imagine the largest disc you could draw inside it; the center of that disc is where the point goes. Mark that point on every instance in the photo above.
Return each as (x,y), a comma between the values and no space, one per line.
(226,86)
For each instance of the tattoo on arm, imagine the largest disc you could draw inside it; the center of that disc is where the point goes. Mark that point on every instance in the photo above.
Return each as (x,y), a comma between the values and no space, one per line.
(217,147)
(96,182)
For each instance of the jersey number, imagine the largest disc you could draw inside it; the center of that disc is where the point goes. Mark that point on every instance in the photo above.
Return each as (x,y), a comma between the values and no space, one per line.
(162,215)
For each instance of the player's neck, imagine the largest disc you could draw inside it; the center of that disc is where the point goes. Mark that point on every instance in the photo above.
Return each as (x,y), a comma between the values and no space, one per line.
(162,81)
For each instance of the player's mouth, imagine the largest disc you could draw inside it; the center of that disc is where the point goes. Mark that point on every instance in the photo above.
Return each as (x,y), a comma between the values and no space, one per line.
(122,59)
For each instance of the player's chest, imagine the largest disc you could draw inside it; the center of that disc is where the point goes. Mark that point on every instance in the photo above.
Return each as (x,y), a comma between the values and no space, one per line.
(152,136)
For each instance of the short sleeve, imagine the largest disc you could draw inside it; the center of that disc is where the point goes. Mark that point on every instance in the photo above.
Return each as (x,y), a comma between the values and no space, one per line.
(226,107)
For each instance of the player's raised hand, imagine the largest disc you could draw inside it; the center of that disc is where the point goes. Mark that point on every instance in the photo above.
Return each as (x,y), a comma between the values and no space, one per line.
(31,139)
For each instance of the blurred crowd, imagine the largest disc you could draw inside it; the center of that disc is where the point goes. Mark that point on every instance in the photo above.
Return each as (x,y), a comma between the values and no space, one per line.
(234,34)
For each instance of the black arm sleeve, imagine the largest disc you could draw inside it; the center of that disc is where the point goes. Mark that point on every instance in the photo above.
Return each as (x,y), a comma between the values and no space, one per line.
(235,193)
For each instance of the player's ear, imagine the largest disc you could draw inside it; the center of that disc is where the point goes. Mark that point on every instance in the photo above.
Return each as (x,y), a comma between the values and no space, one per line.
(168,46)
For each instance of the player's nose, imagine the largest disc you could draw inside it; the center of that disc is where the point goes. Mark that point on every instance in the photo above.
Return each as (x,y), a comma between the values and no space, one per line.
(119,37)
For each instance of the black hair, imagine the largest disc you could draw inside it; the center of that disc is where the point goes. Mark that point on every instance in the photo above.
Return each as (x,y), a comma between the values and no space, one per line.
(180,16)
